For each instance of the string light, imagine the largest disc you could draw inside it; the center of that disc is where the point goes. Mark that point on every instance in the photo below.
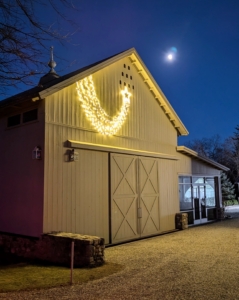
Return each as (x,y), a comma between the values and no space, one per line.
(102,122)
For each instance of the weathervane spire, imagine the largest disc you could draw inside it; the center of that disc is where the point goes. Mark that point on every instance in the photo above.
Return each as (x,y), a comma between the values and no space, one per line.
(51,75)
(52,63)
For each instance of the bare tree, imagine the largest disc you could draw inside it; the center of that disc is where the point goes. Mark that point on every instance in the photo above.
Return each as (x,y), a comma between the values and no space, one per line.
(24,36)
(225,153)
(207,147)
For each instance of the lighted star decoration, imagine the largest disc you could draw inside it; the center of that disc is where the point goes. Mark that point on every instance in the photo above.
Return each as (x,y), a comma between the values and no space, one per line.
(101,121)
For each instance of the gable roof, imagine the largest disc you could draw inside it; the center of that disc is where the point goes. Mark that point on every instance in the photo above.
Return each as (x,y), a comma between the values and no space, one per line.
(57,84)
(194,154)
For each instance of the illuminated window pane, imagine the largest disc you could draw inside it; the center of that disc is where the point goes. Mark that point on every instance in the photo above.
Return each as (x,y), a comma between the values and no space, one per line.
(196,180)
(185,197)
(184,179)
(210,196)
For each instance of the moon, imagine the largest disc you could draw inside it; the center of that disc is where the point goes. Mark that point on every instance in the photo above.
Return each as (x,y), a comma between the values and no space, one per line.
(170,56)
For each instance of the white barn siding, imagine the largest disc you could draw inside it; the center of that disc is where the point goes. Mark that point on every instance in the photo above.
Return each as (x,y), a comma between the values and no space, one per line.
(71,192)
(77,195)
(146,127)
(169,202)
(188,165)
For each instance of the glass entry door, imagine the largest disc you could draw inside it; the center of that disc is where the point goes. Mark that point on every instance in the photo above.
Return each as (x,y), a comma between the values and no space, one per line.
(199,198)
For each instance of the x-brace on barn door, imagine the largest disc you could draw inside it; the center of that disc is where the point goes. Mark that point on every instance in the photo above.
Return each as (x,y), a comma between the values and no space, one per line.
(134,197)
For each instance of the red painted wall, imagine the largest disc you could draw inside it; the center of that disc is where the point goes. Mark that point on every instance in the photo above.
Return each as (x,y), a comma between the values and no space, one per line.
(21,177)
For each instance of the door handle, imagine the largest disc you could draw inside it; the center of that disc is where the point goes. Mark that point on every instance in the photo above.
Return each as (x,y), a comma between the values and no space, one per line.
(139,212)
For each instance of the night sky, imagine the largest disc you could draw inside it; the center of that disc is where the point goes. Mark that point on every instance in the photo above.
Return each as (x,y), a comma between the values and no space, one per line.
(202,83)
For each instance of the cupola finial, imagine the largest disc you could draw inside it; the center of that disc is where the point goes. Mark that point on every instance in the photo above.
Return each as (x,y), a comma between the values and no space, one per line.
(51,75)
(52,63)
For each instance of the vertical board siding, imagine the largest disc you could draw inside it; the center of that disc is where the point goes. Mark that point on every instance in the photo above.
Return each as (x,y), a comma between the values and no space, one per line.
(146,128)
(76,193)
(169,202)
(188,165)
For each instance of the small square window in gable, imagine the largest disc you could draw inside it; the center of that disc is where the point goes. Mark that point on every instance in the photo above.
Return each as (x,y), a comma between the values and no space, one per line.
(14,120)
(29,116)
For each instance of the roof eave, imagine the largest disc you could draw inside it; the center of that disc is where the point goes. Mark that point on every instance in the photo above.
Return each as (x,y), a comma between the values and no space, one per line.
(194,154)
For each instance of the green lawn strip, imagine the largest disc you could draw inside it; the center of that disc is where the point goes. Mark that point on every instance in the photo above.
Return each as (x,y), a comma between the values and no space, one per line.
(26,276)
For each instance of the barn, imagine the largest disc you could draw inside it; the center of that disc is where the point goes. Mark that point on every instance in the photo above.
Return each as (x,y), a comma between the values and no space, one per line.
(95,152)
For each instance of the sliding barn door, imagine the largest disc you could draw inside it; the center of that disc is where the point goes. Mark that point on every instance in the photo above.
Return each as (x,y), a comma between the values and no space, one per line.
(134,197)
(124,198)
(148,196)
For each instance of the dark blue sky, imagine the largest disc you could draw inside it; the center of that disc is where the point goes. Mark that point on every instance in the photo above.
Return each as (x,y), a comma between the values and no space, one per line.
(202,84)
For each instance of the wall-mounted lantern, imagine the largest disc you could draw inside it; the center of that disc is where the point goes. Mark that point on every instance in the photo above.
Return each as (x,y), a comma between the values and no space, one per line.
(36,153)
(73,155)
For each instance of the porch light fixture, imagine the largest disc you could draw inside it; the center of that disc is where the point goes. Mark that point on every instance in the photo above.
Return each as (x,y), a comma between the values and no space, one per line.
(36,153)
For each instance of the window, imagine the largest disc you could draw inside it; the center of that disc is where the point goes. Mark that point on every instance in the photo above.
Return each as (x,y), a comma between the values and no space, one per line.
(185,196)
(201,189)
(14,120)
(29,116)
(25,117)
(210,192)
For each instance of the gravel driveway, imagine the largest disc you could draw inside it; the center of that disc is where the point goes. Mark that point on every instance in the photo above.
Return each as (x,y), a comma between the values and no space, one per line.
(198,263)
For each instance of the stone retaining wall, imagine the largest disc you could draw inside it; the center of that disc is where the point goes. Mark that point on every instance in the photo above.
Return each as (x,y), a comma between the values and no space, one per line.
(56,248)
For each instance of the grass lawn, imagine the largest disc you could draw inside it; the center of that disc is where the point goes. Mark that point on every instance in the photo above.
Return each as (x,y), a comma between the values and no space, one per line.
(16,275)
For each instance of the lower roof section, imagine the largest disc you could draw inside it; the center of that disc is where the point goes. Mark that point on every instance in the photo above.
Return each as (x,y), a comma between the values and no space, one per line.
(195,155)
